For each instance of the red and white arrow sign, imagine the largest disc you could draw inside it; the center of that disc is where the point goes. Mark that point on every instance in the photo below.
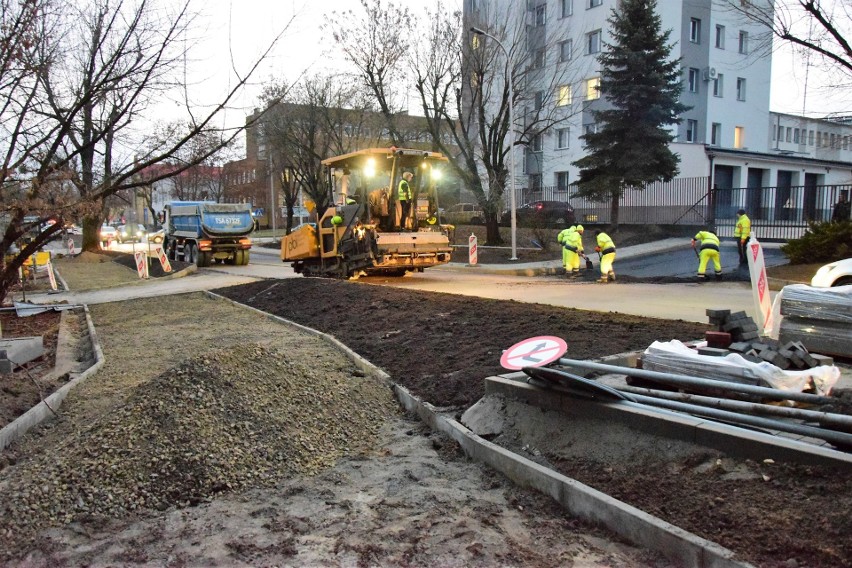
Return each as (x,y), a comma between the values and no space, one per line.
(533,352)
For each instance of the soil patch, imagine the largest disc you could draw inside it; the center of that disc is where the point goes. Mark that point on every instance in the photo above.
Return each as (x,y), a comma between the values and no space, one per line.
(442,346)
(29,383)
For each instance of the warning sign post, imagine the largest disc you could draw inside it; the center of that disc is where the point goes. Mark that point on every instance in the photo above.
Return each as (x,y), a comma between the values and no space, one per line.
(141,263)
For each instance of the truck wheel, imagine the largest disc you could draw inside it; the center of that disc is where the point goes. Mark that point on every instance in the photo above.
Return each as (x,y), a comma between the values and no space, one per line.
(246,256)
(189,253)
(238,257)
(204,258)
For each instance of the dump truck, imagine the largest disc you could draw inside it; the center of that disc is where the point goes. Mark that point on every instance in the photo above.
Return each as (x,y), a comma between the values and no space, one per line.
(365,231)
(203,232)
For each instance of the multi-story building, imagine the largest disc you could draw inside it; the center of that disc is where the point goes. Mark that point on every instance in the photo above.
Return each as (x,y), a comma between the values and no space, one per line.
(728,136)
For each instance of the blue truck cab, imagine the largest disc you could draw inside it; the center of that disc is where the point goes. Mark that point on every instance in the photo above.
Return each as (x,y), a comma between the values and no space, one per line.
(204,232)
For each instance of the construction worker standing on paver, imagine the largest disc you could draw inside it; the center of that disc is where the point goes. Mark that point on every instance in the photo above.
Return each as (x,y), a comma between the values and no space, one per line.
(742,233)
(708,250)
(606,249)
(404,195)
(573,243)
(560,238)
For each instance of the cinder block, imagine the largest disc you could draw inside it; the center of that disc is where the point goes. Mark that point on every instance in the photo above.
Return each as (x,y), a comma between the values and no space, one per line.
(812,361)
(822,359)
(712,351)
(732,326)
(17,351)
(740,347)
(749,335)
(748,326)
(715,313)
(737,316)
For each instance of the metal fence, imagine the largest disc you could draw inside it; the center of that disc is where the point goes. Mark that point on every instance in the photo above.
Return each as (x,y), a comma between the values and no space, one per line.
(777,213)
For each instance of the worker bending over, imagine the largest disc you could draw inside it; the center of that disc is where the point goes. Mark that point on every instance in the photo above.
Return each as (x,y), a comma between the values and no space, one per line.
(560,238)
(573,244)
(708,250)
(606,249)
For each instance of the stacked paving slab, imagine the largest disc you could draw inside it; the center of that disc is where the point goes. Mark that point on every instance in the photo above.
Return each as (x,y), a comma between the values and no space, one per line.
(818,318)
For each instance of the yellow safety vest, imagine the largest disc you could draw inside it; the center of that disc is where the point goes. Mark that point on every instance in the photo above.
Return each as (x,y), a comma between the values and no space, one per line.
(743,229)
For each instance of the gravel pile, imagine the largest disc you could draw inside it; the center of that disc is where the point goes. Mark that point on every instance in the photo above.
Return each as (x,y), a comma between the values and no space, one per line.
(231,419)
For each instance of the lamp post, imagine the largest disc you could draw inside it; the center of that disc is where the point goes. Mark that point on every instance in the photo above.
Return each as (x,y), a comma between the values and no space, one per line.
(513,205)
(272,204)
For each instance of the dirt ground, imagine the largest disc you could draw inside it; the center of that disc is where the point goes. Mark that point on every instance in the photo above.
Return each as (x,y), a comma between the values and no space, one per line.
(368,509)
(441,346)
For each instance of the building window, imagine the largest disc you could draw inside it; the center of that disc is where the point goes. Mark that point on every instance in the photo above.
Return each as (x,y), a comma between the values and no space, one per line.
(566,8)
(593,42)
(693,80)
(719,85)
(831,143)
(538,59)
(565,49)
(739,136)
(563,136)
(590,128)
(561,181)
(563,95)
(743,43)
(538,100)
(789,137)
(810,137)
(796,135)
(537,143)
(716,134)
(593,3)
(845,142)
(720,36)
(593,88)
(691,130)
(780,134)
(695,30)
(540,15)
(741,89)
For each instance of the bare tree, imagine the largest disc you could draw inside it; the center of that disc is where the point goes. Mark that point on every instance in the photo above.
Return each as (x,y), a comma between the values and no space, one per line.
(822,27)
(463,87)
(74,80)
(316,118)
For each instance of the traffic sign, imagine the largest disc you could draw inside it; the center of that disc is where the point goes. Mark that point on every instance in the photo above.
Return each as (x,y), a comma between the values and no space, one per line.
(164,260)
(142,263)
(472,254)
(533,352)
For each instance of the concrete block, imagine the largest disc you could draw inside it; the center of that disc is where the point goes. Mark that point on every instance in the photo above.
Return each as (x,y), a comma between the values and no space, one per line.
(732,326)
(749,335)
(738,316)
(740,347)
(712,313)
(748,326)
(713,351)
(820,360)
(813,360)
(17,351)
(718,339)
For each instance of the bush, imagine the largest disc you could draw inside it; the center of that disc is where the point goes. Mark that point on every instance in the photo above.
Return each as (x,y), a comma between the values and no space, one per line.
(822,242)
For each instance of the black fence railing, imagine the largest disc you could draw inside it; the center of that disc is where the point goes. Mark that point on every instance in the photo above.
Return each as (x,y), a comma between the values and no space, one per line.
(777,213)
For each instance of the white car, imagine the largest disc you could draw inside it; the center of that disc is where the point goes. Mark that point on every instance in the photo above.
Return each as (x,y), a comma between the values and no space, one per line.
(838,273)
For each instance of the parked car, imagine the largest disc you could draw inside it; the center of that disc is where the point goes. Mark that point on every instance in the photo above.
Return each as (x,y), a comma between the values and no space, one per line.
(541,213)
(464,214)
(107,234)
(838,273)
(131,233)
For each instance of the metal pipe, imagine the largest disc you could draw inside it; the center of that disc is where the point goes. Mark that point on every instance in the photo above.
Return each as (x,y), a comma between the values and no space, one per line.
(840,439)
(836,421)
(764,392)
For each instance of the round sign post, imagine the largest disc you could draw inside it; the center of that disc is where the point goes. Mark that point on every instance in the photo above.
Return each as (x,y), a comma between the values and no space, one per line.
(472,254)
(533,352)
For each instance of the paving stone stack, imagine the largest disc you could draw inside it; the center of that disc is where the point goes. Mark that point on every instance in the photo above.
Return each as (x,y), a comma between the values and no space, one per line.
(818,318)
(737,333)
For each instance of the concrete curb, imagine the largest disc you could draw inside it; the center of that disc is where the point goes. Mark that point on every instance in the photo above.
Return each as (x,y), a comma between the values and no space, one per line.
(580,500)
(47,408)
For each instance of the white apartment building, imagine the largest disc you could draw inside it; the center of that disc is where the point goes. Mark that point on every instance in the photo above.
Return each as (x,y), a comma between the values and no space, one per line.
(728,136)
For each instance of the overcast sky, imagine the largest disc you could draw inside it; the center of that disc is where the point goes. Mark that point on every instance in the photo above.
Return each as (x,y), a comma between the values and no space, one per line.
(239,31)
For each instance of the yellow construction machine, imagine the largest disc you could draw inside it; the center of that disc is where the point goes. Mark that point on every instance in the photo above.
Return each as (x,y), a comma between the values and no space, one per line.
(365,231)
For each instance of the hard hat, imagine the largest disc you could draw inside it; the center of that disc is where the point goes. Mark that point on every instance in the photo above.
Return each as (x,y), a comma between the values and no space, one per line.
(336,220)
(580,228)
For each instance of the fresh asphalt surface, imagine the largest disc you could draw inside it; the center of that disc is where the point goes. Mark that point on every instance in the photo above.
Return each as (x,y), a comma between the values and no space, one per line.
(684,264)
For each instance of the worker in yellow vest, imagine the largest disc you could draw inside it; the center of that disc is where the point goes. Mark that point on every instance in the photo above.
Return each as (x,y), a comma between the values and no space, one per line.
(708,250)
(742,233)
(606,248)
(560,238)
(573,243)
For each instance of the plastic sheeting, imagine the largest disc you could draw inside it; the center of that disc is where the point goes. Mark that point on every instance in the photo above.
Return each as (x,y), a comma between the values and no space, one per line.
(821,318)
(675,357)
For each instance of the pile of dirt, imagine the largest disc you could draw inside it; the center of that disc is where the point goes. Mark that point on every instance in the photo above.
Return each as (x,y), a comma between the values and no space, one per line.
(87,256)
(231,419)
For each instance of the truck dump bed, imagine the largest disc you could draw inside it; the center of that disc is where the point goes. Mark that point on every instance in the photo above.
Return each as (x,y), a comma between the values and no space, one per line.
(214,219)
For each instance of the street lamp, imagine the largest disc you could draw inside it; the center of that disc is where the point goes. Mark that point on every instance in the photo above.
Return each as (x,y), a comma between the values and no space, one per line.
(513,204)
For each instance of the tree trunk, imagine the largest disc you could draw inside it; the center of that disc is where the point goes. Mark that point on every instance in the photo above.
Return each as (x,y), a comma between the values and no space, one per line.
(614,210)
(492,231)
(91,233)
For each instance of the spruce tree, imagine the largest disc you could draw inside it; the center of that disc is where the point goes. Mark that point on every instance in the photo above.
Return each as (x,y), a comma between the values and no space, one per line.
(642,86)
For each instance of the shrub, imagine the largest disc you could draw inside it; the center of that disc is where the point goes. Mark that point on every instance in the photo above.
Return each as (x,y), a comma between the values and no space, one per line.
(822,242)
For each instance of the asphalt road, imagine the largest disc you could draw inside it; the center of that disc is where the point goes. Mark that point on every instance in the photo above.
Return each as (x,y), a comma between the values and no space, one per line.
(667,301)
